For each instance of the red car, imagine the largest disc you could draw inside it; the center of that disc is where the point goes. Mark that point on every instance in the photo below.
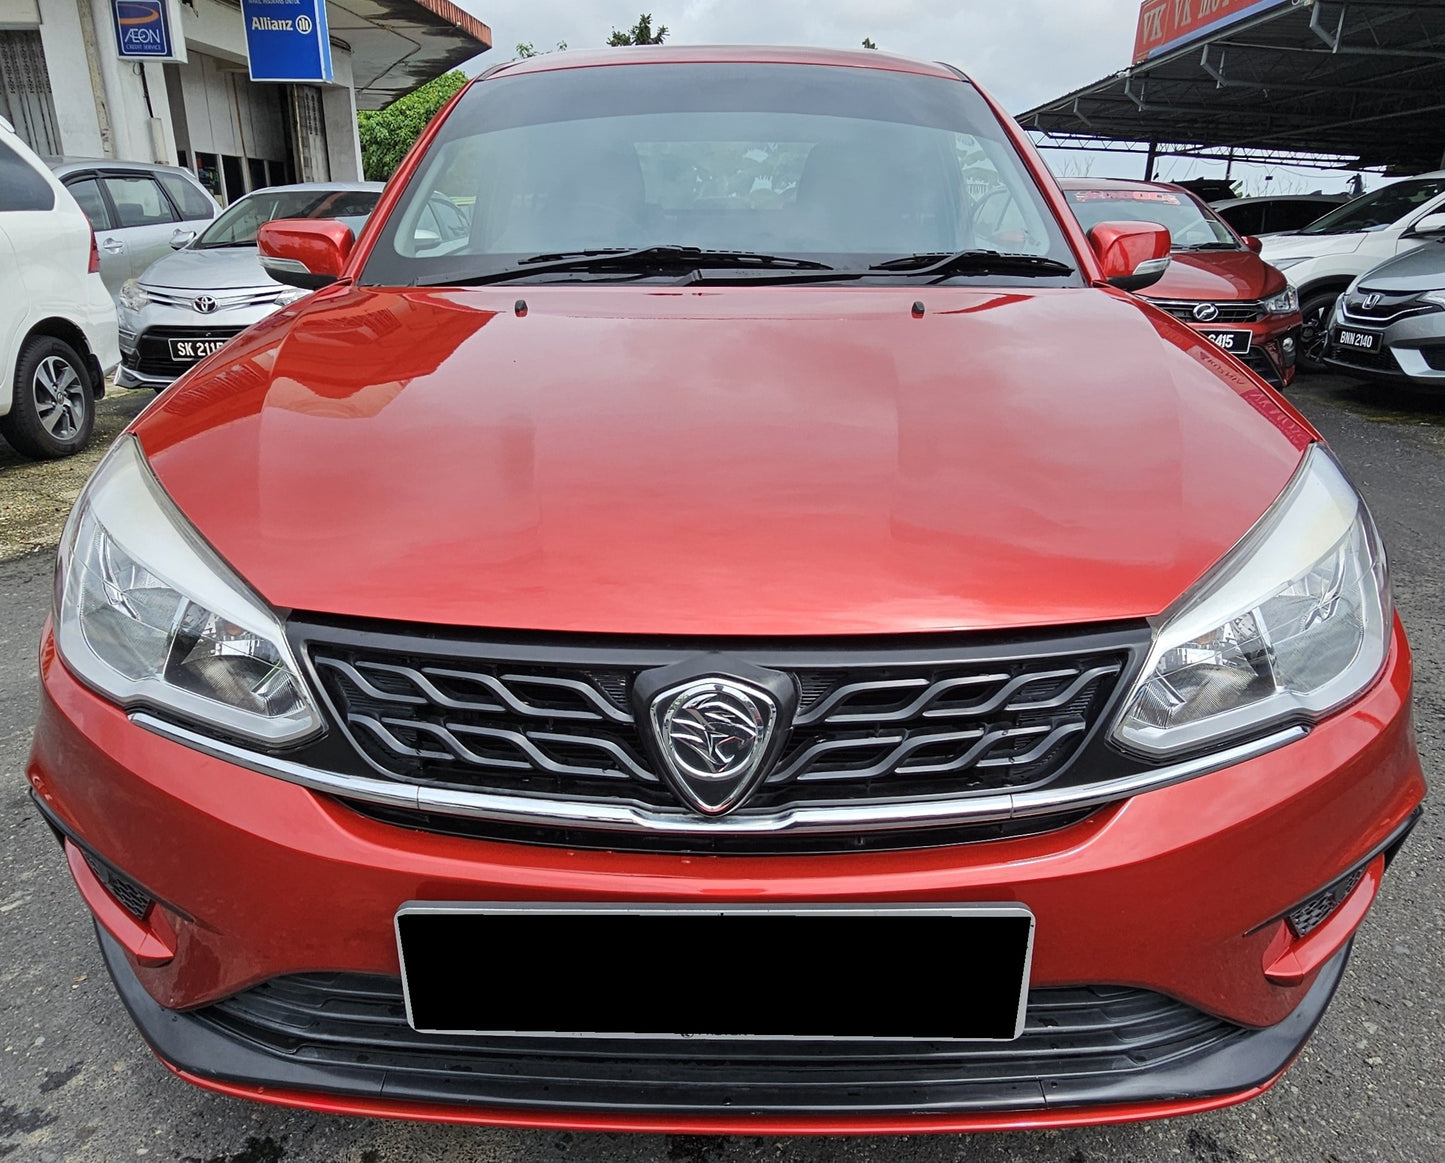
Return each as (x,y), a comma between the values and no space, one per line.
(723,615)
(1217,282)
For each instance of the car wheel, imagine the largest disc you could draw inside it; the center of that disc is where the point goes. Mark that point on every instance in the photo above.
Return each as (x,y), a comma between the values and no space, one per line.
(1315,334)
(53,411)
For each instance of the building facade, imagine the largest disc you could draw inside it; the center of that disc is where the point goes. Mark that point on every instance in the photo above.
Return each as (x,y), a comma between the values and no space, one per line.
(67,91)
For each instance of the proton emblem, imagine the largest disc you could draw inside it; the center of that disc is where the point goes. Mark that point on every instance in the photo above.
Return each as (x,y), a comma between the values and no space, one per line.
(204,304)
(1206,312)
(714,729)
(1371,301)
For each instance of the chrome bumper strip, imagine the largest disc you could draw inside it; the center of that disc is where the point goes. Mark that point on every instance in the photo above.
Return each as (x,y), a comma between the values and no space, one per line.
(981,809)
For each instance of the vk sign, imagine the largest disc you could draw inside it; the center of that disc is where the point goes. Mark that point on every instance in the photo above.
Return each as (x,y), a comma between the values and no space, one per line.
(142,28)
(286,39)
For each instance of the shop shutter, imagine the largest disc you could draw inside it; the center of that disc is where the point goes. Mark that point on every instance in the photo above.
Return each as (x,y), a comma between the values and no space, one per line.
(25,99)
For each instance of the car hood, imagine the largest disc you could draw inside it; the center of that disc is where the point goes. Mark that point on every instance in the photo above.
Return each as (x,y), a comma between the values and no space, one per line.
(1278,246)
(1217,274)
(749,461)
(214,269)
(1420,269)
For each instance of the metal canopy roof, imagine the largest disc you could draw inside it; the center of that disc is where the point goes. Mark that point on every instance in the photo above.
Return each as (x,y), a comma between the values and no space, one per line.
(1363,80)
(397,45)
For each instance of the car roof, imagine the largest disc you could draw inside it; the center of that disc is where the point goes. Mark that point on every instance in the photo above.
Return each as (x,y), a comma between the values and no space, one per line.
(1228,202)
(1119,184)
(70,165)
(319,186)
(667,54)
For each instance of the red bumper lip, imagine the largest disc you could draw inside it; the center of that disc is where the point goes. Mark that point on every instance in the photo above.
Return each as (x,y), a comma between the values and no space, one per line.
(268,879)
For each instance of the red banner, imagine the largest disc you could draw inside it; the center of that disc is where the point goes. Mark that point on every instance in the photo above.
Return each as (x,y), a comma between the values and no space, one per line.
(1166,24)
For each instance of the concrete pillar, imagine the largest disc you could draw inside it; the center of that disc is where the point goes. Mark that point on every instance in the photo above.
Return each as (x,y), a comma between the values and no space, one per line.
(338,105)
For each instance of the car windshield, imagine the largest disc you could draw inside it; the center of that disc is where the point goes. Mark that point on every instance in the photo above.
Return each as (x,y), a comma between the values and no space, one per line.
(1378,209)
(811,164)
(1188,223)
(237,226)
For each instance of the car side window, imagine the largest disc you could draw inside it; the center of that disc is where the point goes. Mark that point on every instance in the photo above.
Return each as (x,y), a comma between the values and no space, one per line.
(86,191)
(21,188)
(188,196)
(138,201)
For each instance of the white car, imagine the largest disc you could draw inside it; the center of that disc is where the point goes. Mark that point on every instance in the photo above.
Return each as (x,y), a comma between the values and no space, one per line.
(1325,257)
(58,332)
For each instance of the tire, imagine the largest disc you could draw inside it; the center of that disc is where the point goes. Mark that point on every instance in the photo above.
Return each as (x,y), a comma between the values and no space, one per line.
(53,411)
(1315,333)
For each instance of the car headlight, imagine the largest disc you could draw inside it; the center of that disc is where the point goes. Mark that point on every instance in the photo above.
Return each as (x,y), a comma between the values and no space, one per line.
(290,295)
(148,614)
(1294,622)
(1436,297)
(1283,264)
(1285,303)
(132,295)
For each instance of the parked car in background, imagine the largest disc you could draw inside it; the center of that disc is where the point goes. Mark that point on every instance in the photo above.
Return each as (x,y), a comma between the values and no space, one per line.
(761,631)
(136,210)
(1275,214)
(1322,259)
(191,302)
(57,323)
(1390,323)
(1216,282)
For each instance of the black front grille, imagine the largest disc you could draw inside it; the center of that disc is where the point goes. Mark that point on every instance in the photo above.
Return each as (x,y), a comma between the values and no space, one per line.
(1375,361)
(1434,357)
(1245,311)
(1259,363)
(871,725)
(354,1027)
(1383,307)
(153,350)
(134,899)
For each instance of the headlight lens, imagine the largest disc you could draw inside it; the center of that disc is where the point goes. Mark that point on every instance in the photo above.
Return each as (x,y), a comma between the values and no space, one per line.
(132,295)
(148,614)
(290,295)
(1436,297)
(1283,264)
(1294,622)
(1285,303)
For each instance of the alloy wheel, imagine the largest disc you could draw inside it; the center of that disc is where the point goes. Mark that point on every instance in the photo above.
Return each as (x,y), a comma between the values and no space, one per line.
(59,396)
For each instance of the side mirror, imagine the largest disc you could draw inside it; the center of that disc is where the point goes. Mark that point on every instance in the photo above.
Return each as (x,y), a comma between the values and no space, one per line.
(182,239)
(1134,255)
(1253,243)
(305,252)
(1430,224)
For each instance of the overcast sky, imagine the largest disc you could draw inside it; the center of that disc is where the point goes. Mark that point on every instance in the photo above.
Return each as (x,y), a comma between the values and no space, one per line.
(1023,51)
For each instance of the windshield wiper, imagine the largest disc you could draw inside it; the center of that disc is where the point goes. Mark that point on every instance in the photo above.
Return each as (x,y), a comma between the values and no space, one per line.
(1211,246)
(663,259)
(962,262)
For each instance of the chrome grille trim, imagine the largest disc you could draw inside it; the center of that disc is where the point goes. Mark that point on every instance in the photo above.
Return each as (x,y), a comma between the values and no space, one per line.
(1230,310)
(185,298)
(621,816)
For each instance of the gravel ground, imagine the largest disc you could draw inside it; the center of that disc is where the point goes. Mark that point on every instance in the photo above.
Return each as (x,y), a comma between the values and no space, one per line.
(76,1082)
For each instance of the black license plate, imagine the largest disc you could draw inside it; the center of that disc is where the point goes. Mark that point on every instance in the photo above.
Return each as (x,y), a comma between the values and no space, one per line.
(1234,342)
(923,971)
(191,350)
(1358,340)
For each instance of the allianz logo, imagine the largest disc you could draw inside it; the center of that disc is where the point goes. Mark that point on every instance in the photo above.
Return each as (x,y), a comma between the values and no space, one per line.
(301,24)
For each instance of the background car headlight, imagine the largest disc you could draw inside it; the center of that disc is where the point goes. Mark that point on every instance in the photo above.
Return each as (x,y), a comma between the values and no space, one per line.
(1295,621)
(1436,297)
(147,614)
(132,295)
(1285,303)
(290,295)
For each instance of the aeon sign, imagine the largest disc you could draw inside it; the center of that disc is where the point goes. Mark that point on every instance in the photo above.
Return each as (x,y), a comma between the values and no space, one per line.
(142,29)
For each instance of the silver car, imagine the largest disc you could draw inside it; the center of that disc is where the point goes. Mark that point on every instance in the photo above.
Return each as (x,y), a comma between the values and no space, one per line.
(136,210)
(1390,324)
(192,302)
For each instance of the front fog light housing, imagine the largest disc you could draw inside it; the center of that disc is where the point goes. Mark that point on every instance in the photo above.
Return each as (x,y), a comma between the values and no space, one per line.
(148,615)
(1292,624)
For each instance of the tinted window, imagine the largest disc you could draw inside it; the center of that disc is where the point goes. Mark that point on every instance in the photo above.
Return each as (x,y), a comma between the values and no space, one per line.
(1247,218)
(1294,215)
(1189,223)
(21,188)
(188,196)
(238,224)
(1379,209)
(844,166)
(86,191)
(138,201)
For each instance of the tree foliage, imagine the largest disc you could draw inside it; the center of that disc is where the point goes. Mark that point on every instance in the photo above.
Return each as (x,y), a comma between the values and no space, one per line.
(526,49)
(640,33)
(868,42)
(386,134)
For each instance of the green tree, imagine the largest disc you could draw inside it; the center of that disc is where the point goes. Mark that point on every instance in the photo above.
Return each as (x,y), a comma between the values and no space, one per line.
(386,134)
(640,33)
(868,42)
(526,48)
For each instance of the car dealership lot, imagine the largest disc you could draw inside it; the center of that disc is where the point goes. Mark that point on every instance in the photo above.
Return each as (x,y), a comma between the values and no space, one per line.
(75,1081)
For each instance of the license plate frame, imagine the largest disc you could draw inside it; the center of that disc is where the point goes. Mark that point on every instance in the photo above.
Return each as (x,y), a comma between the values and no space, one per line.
(1000,998)
(1234,340)
(193,350)
(1374,345)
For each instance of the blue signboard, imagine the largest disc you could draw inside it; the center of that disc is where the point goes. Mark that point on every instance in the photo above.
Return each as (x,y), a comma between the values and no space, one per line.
(287,40)
(142,28)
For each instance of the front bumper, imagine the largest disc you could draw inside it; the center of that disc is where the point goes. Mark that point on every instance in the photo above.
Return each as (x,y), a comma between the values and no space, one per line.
(144,335)
(1273,346)
(1412,350)
(1178,892)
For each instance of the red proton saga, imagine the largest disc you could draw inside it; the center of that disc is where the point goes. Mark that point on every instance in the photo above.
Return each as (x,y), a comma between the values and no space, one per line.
(722,615)
(1217,282)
